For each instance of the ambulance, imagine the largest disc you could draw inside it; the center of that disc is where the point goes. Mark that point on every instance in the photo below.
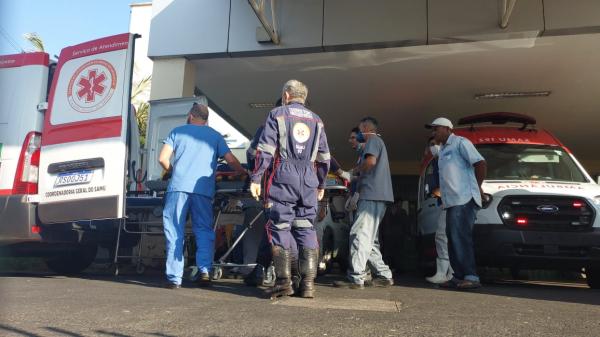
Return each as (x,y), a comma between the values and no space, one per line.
(66,161)
(542,206)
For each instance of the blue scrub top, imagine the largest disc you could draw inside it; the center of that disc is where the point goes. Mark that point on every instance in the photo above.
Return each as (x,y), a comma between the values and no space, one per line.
(196,151)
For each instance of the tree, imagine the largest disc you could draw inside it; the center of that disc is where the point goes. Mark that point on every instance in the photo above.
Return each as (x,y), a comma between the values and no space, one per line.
(35,40)
(142,107)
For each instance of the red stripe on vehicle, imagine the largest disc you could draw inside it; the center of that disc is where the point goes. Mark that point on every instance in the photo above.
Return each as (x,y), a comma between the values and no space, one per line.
(6,192)
(24,59)
(80,131)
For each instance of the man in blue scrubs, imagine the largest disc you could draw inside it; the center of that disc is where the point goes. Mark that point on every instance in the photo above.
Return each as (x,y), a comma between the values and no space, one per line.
(196,148)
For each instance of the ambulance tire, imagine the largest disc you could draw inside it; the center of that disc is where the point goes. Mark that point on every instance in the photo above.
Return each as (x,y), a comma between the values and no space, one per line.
(592,275)
(73,261)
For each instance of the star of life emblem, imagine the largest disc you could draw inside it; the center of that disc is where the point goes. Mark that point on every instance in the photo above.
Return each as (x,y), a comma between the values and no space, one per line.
(301,132)
(91,86)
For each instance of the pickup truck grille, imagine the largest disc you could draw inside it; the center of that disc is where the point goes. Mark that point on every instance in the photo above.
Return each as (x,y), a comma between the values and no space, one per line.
(546,213)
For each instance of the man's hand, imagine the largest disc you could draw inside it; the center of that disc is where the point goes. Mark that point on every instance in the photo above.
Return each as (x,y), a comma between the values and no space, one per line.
(320,194)
(255,190)
(346,175)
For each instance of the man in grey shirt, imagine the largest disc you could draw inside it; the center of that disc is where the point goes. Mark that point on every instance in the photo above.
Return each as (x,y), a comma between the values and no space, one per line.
(375,192)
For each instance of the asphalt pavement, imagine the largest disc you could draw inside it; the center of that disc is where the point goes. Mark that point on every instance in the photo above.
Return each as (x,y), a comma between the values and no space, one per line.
(99,304)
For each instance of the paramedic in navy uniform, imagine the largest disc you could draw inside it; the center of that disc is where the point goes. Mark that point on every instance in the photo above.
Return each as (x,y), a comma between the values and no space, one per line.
(294,139)
(195,148)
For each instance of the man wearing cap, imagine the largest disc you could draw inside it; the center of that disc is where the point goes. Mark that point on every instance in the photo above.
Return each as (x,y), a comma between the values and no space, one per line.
(462,170)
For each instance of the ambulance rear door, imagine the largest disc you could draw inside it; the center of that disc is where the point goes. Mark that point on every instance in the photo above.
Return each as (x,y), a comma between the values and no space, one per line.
(83,163)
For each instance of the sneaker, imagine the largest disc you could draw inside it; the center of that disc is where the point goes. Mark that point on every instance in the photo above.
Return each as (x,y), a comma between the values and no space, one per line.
(348,284)
(380,282)
(204,280)
(438,278)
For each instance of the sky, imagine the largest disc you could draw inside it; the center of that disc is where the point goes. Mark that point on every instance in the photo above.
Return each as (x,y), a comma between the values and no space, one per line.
(60,23)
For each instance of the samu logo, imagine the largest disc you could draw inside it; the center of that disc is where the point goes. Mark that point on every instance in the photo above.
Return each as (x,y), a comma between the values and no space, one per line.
(92,86)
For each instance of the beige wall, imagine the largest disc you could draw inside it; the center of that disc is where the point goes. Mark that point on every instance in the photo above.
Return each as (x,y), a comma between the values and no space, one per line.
(173,78)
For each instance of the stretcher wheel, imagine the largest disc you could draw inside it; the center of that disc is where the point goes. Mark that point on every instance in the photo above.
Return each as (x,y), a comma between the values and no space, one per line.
(217,273)
(115,269)
(140,269)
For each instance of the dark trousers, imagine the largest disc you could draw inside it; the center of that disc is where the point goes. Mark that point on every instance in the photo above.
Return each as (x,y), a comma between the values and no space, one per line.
(459,229)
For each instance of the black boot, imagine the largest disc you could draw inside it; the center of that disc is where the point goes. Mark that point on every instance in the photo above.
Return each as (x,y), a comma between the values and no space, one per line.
(256,277)
(295,273)
(309,258)
(283,284)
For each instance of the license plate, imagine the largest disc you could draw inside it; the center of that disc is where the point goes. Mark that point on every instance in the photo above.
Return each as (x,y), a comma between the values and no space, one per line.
(74,178)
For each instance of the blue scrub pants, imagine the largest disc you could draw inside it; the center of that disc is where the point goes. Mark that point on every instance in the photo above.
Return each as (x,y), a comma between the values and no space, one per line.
(177,206)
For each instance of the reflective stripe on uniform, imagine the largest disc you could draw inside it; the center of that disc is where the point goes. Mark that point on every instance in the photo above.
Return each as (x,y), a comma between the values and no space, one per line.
(282,137)
(282,225)
(252,151)
(313,155)
(301,223)
(321,157)
(270,149)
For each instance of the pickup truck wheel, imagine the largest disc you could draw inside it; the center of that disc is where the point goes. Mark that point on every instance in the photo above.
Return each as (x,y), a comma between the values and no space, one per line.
(73,261)
(592,276)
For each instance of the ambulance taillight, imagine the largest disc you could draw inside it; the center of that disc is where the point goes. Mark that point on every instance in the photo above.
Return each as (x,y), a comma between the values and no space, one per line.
(26,177)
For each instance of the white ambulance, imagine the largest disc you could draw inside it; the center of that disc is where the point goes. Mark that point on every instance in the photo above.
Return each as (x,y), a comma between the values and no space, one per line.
(543,206)
(78,168)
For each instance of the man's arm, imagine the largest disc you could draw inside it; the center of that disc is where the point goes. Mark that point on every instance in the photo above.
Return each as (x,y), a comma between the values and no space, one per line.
(164,158)
(480,171)
(266,148)
(234,162)
(368,163)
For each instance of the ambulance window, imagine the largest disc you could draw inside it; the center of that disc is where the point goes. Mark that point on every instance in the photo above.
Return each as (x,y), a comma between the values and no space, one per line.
(529,162)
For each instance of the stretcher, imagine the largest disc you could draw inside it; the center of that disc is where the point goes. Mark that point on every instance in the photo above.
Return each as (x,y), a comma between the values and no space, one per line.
(144,218)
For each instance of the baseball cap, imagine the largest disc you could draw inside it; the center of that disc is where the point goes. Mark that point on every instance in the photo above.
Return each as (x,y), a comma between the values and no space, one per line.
(441,121)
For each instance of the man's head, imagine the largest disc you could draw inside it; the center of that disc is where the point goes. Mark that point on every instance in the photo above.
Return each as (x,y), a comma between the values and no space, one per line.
(294,91)
(368,125)
(198,114)
(441,129)
(353,140)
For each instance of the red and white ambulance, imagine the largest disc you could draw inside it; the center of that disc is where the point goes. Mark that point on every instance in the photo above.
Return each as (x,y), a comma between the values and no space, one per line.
(543,206)
(70,165)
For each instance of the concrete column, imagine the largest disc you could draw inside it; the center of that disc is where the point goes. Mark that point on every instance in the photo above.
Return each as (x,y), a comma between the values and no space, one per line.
(173,78)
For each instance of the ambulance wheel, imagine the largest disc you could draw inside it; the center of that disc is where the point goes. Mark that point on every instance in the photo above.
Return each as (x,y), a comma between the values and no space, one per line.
(217,273)
(140,269)
(73,261)
(592,275)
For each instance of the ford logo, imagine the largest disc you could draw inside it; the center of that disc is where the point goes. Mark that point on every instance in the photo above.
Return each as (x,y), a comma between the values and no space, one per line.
(547,208)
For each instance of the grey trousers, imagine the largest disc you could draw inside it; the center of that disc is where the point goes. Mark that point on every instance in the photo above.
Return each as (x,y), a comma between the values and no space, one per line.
(364,244)
(441,240)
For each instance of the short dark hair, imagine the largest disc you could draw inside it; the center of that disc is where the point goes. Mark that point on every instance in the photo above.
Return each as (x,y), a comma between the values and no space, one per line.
(199,111)
(370,120)
(355,130)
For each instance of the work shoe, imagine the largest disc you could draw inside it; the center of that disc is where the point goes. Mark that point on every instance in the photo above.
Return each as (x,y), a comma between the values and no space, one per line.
(171,285)
(309,258)
(348,284)
(204,280)
(283,281)
(256,277)
(380,282)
